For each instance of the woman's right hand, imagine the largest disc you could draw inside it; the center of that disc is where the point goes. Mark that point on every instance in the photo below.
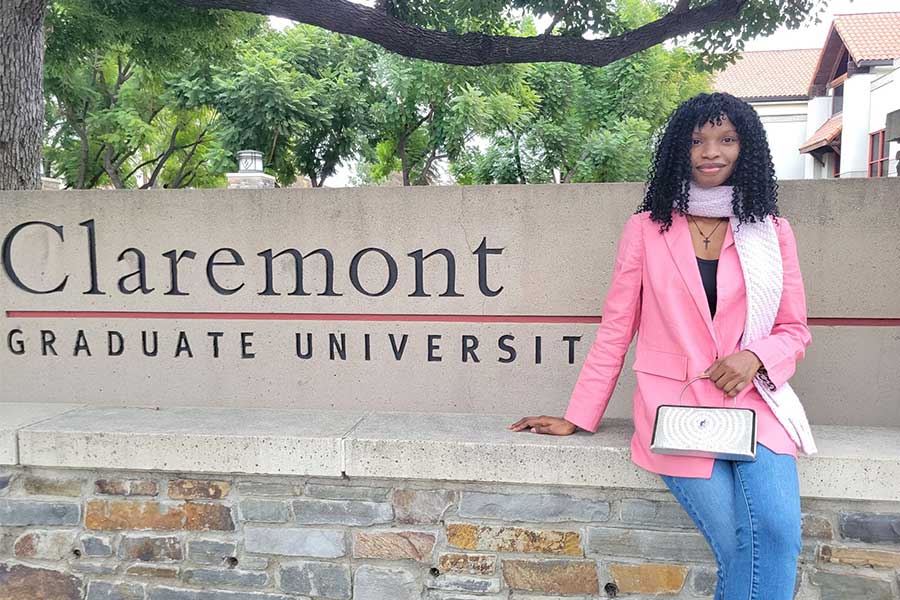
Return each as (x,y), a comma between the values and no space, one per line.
(545,424)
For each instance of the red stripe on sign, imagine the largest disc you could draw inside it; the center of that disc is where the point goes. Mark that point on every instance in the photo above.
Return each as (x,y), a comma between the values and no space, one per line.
(80,314)
(854,321)
(249,316)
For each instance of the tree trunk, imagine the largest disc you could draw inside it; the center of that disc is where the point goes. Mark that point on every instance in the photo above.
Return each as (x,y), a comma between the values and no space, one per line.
(21,93)
(521,172)
(404,166)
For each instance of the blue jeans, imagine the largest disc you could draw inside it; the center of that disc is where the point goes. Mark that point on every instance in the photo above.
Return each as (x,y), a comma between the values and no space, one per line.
(749,513)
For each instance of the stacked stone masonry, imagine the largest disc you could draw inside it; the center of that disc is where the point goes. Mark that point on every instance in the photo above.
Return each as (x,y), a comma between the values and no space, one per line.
(69,534)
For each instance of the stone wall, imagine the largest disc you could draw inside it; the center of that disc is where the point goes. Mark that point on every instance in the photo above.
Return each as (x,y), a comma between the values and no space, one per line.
(137,535)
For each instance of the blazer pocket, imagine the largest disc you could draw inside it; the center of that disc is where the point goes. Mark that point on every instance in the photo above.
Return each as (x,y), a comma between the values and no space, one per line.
(665,364)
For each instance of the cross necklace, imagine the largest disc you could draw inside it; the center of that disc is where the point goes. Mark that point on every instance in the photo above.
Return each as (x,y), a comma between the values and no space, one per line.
(706,237)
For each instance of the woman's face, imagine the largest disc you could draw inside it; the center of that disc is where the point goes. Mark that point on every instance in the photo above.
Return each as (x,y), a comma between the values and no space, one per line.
(714,153)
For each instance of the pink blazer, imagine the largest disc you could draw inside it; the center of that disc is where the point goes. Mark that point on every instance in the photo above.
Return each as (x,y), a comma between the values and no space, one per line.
(656,289)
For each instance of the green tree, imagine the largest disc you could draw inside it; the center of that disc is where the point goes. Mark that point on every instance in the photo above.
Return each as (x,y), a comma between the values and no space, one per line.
(431,112)
(109,112)
(588,124)
(301,96)
(461,32)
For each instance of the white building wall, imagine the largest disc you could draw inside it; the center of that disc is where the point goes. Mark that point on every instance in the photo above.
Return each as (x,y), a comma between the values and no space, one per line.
(785,125)
(817,112)
(855,134)
(885,91)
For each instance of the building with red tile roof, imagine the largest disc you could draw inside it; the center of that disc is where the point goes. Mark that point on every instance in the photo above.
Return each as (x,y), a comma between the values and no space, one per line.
(769,75)
(776,83)
(826,135)
(832,111)
(870,36)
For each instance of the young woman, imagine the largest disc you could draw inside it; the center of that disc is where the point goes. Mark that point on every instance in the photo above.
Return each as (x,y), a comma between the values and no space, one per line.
(708,275)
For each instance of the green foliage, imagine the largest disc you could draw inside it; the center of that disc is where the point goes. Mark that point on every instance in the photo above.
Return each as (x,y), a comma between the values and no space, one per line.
(109,111)
(157,34)
(301,96)
(144,85)
(430,111)
(720,43)
(385,162)
(265,104)
(585,123)
(620,152)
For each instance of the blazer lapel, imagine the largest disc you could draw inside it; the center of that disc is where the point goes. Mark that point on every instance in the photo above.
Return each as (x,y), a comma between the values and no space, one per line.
(678,239)
(729,238)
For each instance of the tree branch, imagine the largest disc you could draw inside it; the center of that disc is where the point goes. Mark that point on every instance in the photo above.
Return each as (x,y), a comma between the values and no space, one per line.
(95,179)
(80,129)
(193,145)
(422,179)
(144,164)
(111,171)
(176,180)
(418,124)
(177,183)
(382,6)
(559,15)
(120,159)
(475,49)
(162,161)
(125,71)
(518,153)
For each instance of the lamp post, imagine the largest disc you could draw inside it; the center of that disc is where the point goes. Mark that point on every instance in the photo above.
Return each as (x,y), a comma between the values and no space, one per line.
(250,173)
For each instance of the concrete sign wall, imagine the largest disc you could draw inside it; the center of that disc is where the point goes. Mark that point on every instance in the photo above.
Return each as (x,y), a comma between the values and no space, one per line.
(452,299)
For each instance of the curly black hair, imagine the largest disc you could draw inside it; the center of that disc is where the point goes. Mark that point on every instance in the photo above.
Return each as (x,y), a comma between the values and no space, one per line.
(753,178)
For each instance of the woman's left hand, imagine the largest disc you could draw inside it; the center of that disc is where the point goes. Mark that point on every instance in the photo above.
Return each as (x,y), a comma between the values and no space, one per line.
(734,372)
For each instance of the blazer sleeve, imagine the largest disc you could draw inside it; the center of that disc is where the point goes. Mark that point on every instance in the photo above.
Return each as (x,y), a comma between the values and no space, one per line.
(786,344)
(620,317)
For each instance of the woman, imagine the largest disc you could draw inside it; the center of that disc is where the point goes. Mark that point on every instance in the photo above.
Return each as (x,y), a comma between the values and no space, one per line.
(709,277)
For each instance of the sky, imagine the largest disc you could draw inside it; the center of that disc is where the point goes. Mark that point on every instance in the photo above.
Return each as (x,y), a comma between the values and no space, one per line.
(812,35)
(809,35)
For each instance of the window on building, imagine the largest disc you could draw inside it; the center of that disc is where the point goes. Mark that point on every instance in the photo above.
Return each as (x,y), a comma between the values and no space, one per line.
(878,154)
(837,100)
(836,166)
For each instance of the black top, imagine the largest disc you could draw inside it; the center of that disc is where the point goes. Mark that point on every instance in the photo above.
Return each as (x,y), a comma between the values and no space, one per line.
(708,275)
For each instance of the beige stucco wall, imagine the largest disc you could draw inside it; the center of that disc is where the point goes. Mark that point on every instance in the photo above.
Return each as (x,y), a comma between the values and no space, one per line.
(557,247)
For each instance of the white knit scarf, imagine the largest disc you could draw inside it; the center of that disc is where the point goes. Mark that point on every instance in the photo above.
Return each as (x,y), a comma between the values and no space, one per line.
(760,256)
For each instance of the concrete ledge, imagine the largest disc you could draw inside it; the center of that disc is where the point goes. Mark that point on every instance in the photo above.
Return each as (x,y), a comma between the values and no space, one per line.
(481,448)
(853,462)
(214,440)
(15,415)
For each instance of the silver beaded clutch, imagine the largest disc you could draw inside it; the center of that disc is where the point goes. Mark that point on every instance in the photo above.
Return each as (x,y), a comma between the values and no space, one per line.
(705,431)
